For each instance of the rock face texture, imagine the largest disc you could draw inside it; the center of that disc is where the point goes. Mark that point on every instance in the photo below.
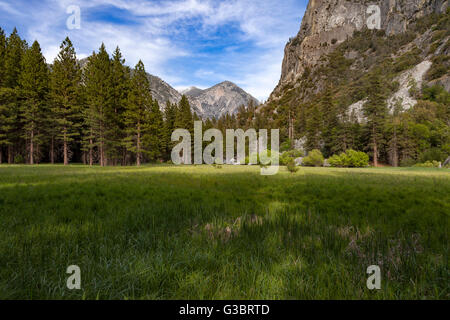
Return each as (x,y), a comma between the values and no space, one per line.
(327,23)
(162,91)
(223,98)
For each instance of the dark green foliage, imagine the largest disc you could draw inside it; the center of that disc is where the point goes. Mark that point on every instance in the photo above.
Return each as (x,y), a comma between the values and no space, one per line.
(137,112)
(65,90)
(433,154)
(184,119)
(440,67)
(34,86)
(2,56)
(15,49)
(99,115)
(154,139)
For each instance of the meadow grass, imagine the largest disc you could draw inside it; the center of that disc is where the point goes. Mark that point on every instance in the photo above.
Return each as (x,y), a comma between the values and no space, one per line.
(199,232)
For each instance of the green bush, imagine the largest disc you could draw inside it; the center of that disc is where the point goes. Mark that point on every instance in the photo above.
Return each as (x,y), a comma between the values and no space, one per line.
(18,159)
(291,166)
(268,153)
(286,157)
(428,164)
(351,159)
(336,161)
(314,159)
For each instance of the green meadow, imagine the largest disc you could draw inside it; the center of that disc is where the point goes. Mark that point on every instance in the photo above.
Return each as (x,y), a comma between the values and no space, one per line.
(203,232)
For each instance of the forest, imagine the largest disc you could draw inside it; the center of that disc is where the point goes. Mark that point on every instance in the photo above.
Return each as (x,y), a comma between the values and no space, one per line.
(102,112)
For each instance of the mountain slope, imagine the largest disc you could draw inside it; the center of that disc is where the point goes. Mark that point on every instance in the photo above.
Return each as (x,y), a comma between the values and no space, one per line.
(223,98)
(328,23)
(383,91)
(162,91)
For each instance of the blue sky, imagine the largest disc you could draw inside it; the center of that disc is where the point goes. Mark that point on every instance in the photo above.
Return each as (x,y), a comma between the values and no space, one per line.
(185,42)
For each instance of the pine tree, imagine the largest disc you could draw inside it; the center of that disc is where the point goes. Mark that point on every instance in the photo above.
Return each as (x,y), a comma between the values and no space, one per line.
(2,56)
(136,114)
(120,78)
(10,98)
(183,119)
(34,82)
(170,113)
(330,124)
(15,49)
(65,89)
(99,96)
(7,120)
(3,110)
(154,139)
(313,127)
(375,110)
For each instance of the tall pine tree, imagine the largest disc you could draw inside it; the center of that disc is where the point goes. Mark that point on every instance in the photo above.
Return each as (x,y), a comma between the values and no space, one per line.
(65,86)
(99,96)
(34,82)
(10,97)
(375,111)
(136,115)
(120,86)
(154,138)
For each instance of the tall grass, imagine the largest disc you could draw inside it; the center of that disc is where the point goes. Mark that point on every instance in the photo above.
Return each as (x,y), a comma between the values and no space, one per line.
(200,232)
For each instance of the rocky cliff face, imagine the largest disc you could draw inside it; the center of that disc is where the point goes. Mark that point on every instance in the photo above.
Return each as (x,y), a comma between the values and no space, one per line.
(327,23)
(162,91)
(223,98)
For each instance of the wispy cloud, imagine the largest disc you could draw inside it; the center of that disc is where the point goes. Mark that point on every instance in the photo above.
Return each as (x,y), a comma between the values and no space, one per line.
(185,42)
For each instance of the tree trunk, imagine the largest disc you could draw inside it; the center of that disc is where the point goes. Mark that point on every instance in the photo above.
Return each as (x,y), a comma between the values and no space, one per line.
(91,160)
(395,150)
(32,148)
(52,150)
(375,152)
(10,155)
(66,155)
(101,154)
(138,147)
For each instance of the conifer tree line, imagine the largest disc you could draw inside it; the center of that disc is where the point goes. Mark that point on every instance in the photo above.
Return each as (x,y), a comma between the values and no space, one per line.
(101,112)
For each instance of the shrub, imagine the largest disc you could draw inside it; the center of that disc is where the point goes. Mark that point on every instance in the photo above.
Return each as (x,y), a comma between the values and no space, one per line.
(314,159)
(351,159)
(286,157)
(336,161)
(356,159)
(268,153)
(407,162)
(18,159)
(433,154)
(428,164)
(291,166)
(286,146)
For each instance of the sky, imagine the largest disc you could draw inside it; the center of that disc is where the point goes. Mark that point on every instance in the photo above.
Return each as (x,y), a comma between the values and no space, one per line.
(185,42)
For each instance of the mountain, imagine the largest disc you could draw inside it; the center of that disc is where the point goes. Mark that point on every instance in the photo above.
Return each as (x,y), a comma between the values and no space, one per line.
(162,91)
(328,23)
(223,98)
(192,92)
(372,76)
